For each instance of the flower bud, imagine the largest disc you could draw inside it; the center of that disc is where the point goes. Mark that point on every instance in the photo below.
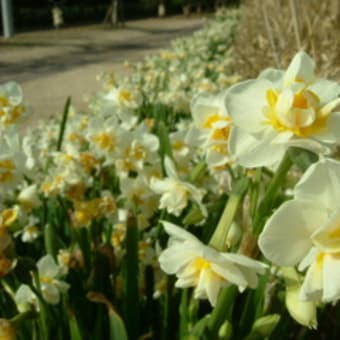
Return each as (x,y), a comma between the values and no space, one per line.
(303,312)
(264,326)
(234,235)
(226,330)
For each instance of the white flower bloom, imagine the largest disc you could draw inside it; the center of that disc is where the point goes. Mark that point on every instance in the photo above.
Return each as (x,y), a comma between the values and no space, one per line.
(11,106)
(281,109)
(51,287)
(206,269)
(29,198)
(24,296)
(306,232)
(12,162)
(175,192)
(212,127)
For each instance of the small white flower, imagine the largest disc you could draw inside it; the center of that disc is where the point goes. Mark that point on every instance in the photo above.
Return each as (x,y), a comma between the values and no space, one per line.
(175,192)
(51,287)
(29,197)
(206,269)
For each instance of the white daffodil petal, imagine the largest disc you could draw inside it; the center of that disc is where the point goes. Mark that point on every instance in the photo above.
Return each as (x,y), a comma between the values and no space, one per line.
(159,186)
(50,293)
(213,286)
(175,258)
(308,259)
(326,90)
(178,232)
(312,286)
(185,282)
(283,137)
(230,273)
(304,312)
(330,134)
(327,237)
(286,237)
(252,151)
(170,168)
(283,106)
(273,75)
(245,102)
(321,183)
(331,278)
(301,69)
(245,261)
(206,105)
(47,267)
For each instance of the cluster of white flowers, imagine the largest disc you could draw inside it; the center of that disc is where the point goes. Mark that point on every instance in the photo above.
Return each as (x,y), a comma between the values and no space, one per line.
(197,64)
(119,159)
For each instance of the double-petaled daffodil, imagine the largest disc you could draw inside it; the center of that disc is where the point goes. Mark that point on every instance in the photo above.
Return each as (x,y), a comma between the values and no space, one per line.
(203,267)
(305,231)
(212,127)
(175,192)
(281,109)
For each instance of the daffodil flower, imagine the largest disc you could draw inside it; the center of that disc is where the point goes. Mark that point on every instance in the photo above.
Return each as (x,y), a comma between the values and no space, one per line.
(51,286)
(203,267)
(212,126)
(281,109)
(175,192)
(305,231)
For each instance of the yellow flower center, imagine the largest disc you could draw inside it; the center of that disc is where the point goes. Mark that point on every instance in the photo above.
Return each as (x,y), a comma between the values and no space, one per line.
(8,217)
(7,164)
(304,115)
(124,96)
(200,263)
(105,141)
(46,279)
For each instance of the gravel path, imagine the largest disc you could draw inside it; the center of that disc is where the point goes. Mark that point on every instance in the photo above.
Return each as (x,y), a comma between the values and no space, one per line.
(52,64)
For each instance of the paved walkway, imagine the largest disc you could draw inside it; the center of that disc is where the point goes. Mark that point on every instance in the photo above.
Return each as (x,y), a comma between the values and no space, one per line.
(52,64)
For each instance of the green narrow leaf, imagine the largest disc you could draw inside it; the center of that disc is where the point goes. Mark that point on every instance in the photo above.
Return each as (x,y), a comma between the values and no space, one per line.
(75,332)
(222,311)
(117,327)
(164,141)
(50,240)
(63,123)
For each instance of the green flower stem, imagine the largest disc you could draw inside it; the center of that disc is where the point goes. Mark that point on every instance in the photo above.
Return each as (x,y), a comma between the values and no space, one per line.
(222,311)
(19,318)
(254,194)
(184,314)
(197,172)
(42,304)
(218,239)
(267,202)
(131,298)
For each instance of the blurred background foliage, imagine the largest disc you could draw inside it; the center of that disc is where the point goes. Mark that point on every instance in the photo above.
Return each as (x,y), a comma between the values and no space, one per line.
(271,31)
(37,13)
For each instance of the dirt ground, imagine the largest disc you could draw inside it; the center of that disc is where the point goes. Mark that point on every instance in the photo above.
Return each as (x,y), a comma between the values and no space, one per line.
(52,64)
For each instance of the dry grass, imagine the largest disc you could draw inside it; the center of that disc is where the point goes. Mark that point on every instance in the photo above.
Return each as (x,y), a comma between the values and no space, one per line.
(271,31)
